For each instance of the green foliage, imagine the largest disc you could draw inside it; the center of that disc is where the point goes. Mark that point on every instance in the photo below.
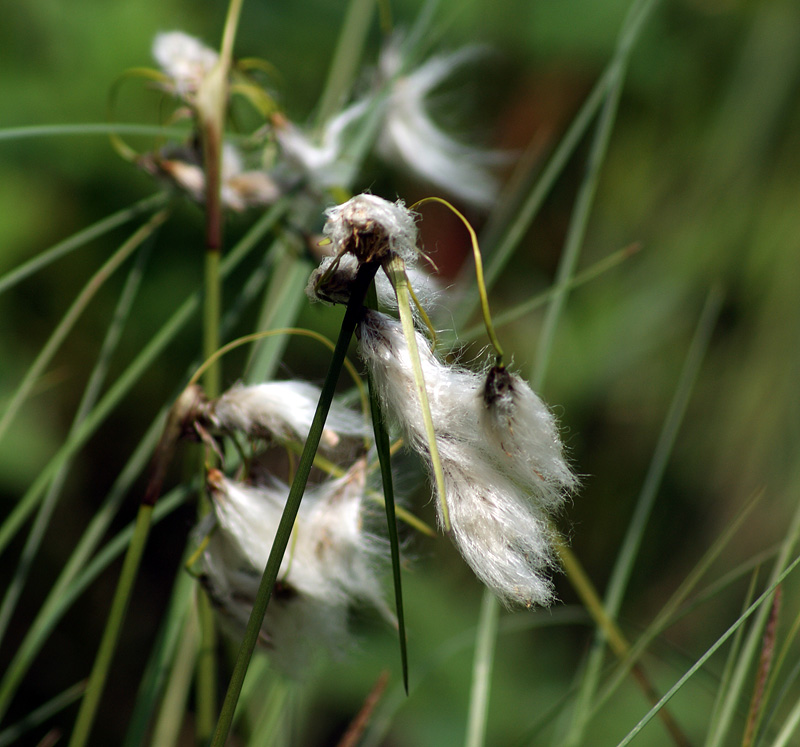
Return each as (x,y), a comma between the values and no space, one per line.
(654,171)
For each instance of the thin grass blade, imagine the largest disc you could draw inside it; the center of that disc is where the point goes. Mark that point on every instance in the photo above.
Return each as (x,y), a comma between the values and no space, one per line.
(383,446)
(90,395)
(363,279)
(72,314)
(81,238)
(759,604)
(108,643)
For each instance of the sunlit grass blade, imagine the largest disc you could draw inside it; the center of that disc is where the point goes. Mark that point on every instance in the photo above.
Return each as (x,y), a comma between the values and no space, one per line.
(283,533)
(81,238)
(669,613)
(482,665)
(382,446)
(758,702)
(789,641)
(731,659)
(344,65)
(172,711)
(758,606)
(283,300)
(269,728)
(92,128)
(790,724)
(733,694)
(73,313)
(395,269)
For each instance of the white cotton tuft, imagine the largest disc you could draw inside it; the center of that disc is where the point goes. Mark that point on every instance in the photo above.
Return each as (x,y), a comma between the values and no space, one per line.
(184,59)
(329,565)
(283,410)
(523,439)
(500,534)
(240,189)
(371,228)
(497,500)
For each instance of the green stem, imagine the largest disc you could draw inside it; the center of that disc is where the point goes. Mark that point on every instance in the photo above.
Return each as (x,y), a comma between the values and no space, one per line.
(105,653)
(365,275)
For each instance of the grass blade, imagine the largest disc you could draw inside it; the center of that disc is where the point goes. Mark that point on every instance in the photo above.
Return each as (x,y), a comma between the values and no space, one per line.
(365,276)
(71,317)
(108,643)
(482,671)
(383,446)
(90,233)
(90,395)
(160,657)
(759,604)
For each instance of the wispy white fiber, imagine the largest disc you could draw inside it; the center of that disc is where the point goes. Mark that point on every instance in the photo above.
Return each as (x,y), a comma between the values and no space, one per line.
(321,159)
(329,566)
(523,439)
(410,136)
(184,59)
(498,497)
(283,410)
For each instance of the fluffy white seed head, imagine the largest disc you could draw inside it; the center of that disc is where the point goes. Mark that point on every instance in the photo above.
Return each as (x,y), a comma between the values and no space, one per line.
(500,533)
(372,228)
(330,563)
(522,438)
(496,499)
(184,59)
(283,410)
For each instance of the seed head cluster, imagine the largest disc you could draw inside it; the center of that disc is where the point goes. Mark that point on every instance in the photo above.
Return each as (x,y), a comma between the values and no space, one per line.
(500,451)
(332,563)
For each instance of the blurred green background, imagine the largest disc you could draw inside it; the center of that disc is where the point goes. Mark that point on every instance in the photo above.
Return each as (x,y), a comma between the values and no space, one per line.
(703,172)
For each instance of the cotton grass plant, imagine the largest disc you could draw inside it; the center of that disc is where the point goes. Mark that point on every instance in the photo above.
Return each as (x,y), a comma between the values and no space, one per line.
(289,573)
